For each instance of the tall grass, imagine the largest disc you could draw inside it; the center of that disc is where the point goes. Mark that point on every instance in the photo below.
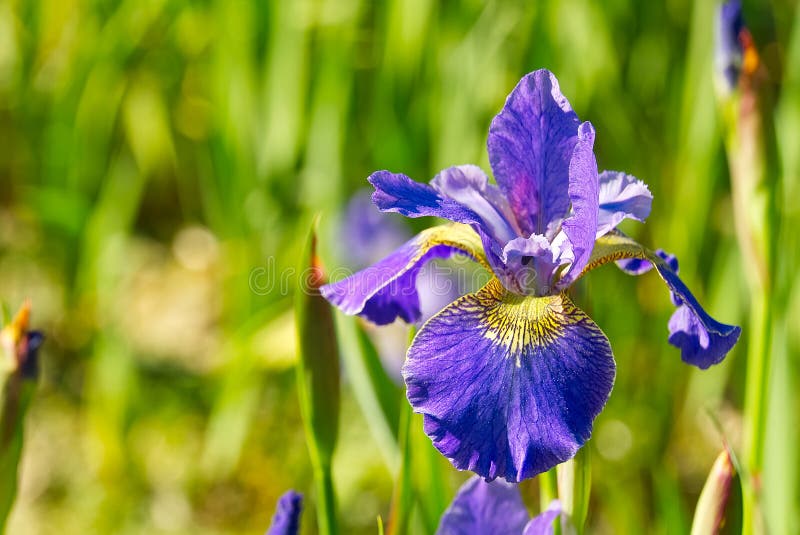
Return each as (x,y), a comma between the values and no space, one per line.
(158,158)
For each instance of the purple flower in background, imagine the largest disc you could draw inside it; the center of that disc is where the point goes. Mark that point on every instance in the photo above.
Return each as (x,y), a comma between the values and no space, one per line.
(19,346)
(735,56)
(497,508)
(728,50)
(367,233)
(287,515)
(510,378)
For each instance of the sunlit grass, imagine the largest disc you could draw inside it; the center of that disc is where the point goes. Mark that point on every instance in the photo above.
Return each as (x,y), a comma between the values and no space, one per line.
(153,154)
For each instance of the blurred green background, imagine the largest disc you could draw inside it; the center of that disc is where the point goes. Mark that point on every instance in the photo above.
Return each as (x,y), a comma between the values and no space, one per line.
(154,153)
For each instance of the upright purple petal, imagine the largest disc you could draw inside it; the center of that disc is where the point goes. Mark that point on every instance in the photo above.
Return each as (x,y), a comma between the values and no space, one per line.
(387,290)
(509,385)
(530,145)
(481,507)
(287,515)
(622,197)
(581,226)
(469,186)
(542,524)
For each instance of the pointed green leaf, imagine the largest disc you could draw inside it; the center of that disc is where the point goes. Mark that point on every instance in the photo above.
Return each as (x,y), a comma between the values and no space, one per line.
(318,379)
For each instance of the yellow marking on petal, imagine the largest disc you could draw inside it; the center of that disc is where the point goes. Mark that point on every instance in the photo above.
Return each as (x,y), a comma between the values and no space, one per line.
(455,235)
(615,246)
(518,322)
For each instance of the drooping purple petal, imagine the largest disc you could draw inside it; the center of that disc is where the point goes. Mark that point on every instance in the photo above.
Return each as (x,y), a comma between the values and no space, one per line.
(387,290)
(530,145)
(509,385)
(395,192)
(703,341)
(287,515)
(581,226)
(622,197)
(640,266)
(542,524)
(481,507)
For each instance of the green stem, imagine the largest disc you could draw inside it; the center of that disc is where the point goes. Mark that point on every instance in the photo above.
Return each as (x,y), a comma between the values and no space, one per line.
(402,496)
(574,487)
(326,501)
(755,409)
(548,491)
(15,397)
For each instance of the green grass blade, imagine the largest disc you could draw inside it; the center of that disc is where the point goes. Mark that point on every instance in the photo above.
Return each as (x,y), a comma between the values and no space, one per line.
(377,395)
(318,380)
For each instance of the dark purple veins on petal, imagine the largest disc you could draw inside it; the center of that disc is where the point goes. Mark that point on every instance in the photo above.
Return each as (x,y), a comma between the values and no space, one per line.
(530,146)
(508,385)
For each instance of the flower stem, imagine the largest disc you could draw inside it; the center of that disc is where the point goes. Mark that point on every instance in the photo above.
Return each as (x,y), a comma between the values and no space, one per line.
(402,496)
(752,156)
(574,487)
(548,491)
(755,408)
(326,505)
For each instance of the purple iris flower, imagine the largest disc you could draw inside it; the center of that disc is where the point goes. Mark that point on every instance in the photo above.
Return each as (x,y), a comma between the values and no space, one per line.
(729,50)
(497,508)
(369,235)
(286,520)
(510,378)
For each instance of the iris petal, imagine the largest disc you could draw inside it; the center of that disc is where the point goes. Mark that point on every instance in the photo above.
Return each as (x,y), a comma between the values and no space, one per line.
(287,515)
(387,290)
(509,385)
(395,192)
(531,264)
(481,507)
(580,227)
(542,524)
(491,215)
(530,146)
(469,186)
(621,197)
(703,341)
